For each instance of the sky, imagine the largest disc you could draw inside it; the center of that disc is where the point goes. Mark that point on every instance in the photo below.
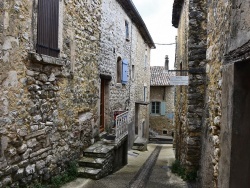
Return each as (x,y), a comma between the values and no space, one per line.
(157,15)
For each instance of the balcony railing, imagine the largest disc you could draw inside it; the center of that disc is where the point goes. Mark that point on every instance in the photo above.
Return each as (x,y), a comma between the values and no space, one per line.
(121,128)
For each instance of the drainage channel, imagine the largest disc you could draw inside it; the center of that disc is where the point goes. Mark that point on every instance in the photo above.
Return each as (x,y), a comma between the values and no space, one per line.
(141,178)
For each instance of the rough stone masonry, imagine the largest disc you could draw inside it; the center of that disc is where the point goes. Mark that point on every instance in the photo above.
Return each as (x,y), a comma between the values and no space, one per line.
(48,106)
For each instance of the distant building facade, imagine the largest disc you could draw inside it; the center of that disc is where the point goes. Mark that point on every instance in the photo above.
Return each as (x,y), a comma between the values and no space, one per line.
(125,59)
(161,100)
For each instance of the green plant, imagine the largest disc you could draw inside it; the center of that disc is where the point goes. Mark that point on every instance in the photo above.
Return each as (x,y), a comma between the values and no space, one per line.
(178,169)
(57,181)
(67,176)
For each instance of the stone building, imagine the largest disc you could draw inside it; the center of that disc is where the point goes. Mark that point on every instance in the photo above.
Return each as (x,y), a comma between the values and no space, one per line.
(189,18)
(161,100)
(125,59)
(55,55)
(220,30)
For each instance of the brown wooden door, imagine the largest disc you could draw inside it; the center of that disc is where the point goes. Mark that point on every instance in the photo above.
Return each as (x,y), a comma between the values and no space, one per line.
(102,105)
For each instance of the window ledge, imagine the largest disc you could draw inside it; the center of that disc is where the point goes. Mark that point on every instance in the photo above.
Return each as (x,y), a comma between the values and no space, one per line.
(45,59)
(152,114)
(118,85)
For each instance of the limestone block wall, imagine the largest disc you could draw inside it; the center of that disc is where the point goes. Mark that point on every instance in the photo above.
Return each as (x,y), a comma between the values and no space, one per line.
(114,44)
(218,22)
(159,123)
(48,112)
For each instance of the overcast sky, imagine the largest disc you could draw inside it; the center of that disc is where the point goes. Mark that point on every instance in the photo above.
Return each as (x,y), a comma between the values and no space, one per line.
(157,15)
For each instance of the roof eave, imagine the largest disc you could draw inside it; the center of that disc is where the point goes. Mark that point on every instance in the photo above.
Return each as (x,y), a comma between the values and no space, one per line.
(134,15)
(177,6)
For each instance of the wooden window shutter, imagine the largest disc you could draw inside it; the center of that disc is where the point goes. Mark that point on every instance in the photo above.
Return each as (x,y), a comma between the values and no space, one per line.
(163,108)
(124,71)
(47,27)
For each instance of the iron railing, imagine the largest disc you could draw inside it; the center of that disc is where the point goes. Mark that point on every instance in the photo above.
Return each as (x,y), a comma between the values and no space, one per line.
(121,128)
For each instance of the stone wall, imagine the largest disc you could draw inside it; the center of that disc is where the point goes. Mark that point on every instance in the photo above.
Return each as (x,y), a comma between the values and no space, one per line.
(227,35)
(114,44)
(158,123)
(48,106)
(181,91)
(191,55)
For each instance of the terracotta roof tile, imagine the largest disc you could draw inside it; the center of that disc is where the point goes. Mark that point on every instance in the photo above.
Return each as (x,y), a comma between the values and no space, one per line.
(160,77)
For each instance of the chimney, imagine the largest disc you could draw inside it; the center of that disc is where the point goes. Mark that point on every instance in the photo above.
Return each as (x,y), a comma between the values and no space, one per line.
(166,63)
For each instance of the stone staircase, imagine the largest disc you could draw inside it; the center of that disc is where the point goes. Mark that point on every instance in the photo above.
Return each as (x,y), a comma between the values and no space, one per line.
(97,161)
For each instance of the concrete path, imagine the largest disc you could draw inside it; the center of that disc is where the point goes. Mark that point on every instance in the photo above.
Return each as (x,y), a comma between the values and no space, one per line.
(157,173)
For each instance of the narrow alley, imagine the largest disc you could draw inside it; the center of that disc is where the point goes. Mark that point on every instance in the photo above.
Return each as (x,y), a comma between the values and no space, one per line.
(89,90)
(149,169)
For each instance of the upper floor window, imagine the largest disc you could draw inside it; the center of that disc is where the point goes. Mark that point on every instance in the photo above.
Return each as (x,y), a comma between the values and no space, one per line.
(127,30)
(145,91)
(145,61)
(133,72)
(155,107)
(119,70)
(47,27)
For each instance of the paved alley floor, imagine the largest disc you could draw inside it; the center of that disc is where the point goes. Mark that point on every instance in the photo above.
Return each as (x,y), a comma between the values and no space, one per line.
(144,169)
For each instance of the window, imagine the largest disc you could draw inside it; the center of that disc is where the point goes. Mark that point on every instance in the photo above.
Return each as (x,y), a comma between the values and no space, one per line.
(133,72)
(47,27)
(127,30)
(145,61)
(119,70)
(164,132)
(158,108)
(145,94)
(155,107)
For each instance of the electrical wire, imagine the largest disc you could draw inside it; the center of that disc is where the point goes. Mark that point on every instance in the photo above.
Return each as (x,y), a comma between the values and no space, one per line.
(164,44)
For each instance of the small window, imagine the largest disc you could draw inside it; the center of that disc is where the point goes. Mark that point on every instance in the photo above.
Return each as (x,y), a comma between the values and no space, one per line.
(127,30)
(145,61)
(145,94)
(119,70)
(164,132)
(155,107)
(133,72)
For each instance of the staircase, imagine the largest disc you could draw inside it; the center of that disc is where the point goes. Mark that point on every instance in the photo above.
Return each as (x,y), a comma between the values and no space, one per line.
(107,155)
(97,161)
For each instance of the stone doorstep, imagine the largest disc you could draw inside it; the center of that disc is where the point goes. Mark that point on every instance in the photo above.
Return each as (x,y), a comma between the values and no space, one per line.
(98,149)
(92,162)
(87,172)
(139,148)
(140,142)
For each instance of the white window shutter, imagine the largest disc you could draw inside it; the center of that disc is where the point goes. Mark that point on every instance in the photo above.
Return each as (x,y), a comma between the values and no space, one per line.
(163,108)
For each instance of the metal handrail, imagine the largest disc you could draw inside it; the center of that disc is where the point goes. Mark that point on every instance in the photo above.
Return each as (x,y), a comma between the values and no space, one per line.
(121,128)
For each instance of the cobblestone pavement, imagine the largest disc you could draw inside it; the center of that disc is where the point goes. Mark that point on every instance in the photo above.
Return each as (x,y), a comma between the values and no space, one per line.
(159,175)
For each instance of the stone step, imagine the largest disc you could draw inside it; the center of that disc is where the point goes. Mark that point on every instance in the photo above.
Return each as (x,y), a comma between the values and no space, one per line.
(140,142)
(98,150)
(87,172)
(139,148)
(92,162)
